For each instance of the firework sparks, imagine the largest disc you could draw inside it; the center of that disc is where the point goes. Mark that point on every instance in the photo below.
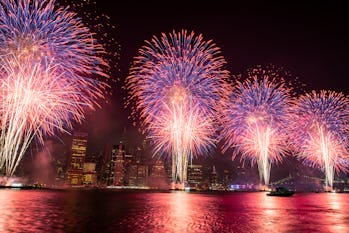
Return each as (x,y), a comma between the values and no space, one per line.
(320,131)
(255,118)
(175,84)
(49,60)
(34,101)
(39,30)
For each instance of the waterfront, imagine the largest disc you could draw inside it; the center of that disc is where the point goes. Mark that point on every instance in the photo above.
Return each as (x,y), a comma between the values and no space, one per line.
(177,211)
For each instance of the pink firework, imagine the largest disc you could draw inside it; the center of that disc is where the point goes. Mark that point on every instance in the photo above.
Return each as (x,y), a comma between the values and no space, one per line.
(321,131)
(255,118)
(35,102)
(175,84)
(50,65)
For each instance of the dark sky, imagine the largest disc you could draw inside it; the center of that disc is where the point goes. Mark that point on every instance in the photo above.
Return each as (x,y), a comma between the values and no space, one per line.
(310,40)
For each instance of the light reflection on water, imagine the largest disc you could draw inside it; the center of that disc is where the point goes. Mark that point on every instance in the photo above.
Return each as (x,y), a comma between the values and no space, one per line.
(117,211)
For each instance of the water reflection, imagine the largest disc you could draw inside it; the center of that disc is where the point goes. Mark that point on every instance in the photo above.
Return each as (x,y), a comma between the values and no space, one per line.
(270,219)
(335,214)
(115,211)
(277,215)
(181,212)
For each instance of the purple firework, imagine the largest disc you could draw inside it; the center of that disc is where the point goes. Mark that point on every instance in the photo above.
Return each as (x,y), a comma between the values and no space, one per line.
(255,118)
(49,63)
(175,85)
(41,32)
(321,131)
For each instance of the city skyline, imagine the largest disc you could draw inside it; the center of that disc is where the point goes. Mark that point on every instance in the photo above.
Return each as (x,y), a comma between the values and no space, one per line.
(44,164)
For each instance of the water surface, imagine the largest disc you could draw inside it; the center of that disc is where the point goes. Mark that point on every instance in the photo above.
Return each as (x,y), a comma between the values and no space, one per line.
(146,211)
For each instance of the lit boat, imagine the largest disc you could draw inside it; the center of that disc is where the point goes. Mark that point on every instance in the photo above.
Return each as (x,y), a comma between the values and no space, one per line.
(281,192)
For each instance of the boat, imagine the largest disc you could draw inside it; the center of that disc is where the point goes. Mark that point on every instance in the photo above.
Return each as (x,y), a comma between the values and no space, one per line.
(281,192)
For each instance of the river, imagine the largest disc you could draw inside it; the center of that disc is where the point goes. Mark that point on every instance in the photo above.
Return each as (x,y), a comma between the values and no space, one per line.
(173,211)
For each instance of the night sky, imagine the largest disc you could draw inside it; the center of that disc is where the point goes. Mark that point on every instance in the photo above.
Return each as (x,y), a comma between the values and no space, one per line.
(310,40)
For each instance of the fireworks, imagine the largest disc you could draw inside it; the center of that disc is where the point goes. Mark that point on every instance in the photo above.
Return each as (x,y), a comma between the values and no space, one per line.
(255,118)
(175,84)
(49,62)
(102,28)
(34,101)
(38,30)
(320,131)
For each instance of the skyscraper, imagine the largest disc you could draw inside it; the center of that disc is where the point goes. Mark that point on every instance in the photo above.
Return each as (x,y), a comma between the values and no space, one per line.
(195,176)
(90,174)
(118,162)
(214,185)
(77,159)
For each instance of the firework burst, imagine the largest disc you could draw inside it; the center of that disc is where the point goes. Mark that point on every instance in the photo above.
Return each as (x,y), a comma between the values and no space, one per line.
(321,131)
(255,118)
(49,62)
(37,31)
(34,101)
(175,85)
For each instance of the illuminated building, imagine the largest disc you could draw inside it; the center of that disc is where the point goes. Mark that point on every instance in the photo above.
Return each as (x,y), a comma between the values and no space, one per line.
(142,175)
(226,179)
(89,174)
(136,171)
(60,171)
(214,185)
(77,159)
(117,163)
(130,175)
(110,166)
(138,175)
(195,176)
(106,174)
(139,169)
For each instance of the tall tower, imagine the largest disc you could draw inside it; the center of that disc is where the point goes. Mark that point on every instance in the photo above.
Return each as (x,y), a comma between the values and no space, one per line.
(77,159)
(214,179)
(119,167)
(110,165)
